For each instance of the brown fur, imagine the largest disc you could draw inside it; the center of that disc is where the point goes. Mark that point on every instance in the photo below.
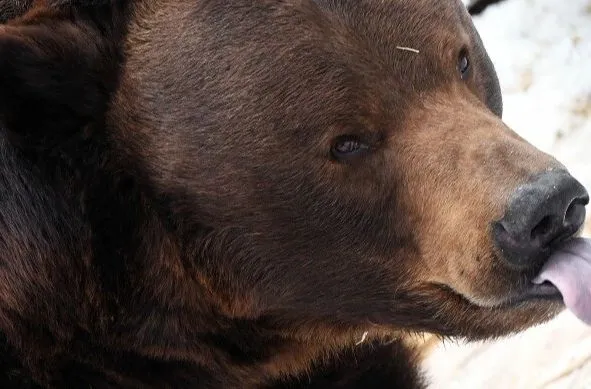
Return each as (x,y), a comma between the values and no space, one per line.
(196,231)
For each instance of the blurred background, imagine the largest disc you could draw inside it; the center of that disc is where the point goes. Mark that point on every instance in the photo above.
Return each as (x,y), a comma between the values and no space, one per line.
(542,53)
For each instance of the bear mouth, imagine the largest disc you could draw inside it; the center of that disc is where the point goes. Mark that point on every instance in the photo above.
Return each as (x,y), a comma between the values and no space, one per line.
(534,293)
(545,291)
(569,270)
(565,278)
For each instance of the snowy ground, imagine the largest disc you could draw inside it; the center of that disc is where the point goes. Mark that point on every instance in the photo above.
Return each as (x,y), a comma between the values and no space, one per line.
(542,52)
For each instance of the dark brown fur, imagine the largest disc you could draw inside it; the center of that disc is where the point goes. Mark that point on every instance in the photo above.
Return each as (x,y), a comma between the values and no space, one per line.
(172,216)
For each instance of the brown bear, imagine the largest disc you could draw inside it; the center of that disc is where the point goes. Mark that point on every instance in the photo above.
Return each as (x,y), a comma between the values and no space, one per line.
(260,194)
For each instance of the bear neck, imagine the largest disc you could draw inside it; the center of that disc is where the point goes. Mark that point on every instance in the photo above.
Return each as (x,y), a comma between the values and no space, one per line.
(136,301)
(167,310)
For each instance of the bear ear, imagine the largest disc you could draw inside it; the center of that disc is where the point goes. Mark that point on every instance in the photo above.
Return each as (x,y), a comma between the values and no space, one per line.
(56,72)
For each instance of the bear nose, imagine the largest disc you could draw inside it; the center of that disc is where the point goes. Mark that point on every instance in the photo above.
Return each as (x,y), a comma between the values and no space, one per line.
(544,211)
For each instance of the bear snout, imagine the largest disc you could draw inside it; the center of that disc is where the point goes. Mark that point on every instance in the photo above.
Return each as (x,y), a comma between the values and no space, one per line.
(541,213)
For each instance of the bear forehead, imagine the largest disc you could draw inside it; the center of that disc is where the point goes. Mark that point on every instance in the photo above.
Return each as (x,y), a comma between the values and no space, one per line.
(353,29)
(338,51)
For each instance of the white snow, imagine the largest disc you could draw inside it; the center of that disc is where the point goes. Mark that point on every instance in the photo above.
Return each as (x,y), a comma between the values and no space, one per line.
(542,53)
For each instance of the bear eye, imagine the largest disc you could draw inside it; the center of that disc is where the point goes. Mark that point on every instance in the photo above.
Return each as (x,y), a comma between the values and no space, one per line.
(464,64)
(347,147)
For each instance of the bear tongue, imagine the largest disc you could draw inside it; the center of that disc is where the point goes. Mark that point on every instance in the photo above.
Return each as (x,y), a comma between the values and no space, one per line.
(569,269)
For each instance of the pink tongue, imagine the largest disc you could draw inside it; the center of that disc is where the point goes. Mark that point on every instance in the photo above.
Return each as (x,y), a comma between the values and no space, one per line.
(569,269)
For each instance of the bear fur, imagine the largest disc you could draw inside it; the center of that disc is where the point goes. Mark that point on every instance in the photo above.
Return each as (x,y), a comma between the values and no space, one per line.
(249,194)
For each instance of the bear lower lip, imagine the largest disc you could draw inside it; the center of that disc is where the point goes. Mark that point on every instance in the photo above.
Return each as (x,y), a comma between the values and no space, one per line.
(545,291)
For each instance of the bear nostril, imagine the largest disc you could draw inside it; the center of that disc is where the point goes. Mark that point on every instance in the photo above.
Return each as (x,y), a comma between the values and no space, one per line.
(575,212)
(542,229)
